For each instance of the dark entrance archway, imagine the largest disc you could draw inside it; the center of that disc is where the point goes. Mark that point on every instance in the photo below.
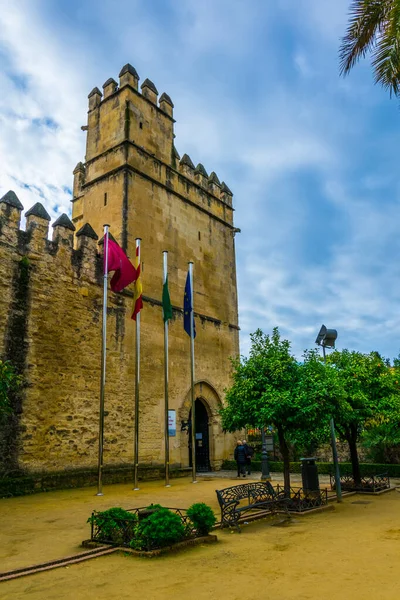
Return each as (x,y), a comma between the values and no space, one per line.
(202,438)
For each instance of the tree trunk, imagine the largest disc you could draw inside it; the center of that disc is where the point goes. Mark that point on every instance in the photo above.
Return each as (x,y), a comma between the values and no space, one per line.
(286,465)
(352,441)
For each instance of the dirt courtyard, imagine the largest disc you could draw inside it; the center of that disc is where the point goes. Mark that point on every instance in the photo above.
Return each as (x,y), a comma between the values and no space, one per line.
(351,553)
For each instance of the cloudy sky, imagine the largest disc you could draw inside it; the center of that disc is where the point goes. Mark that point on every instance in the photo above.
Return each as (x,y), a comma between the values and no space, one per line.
(311,158)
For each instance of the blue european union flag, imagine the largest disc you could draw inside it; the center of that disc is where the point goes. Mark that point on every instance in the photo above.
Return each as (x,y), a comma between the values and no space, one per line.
(187,308)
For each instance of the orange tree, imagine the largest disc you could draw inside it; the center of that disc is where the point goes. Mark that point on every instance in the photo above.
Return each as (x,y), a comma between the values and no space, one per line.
(370,395)
(270,387)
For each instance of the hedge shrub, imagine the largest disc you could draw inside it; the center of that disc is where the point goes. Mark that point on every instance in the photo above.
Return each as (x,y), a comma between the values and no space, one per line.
(202,517)
(323,468)
(115,524)
(161,528)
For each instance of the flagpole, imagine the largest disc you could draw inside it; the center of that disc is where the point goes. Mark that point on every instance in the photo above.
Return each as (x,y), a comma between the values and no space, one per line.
(103,365)
(166,432)
(192,375)
(137,382)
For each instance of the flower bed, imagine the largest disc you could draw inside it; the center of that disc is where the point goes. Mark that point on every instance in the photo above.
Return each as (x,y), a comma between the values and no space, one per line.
(148,529)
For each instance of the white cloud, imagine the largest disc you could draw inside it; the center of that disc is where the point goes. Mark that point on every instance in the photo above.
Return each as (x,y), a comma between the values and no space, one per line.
(257,99)
(40,140)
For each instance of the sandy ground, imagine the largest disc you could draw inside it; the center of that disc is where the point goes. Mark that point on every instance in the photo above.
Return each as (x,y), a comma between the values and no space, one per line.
(351,553)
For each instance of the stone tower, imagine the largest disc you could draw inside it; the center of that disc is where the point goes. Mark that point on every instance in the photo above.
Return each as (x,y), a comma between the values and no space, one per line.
(134,179)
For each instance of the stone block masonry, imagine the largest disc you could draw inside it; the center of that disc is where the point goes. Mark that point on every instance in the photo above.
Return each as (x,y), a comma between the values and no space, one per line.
(51,296)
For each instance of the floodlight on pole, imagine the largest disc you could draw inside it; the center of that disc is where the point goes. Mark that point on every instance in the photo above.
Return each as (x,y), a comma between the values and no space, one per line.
(327,338)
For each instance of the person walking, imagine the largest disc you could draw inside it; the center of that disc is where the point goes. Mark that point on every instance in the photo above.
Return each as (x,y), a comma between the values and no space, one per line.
(249,451)
(240,457)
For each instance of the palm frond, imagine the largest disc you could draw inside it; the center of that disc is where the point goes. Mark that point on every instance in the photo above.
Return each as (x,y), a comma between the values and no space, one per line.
(367,20)
(386,54)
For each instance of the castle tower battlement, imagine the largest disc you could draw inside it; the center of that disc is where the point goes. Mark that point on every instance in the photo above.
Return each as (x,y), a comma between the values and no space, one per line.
(129,132)
(134,179)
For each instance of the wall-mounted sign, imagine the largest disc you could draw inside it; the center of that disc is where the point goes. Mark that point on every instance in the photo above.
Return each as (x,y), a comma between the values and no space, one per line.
(171,423)
(199,436)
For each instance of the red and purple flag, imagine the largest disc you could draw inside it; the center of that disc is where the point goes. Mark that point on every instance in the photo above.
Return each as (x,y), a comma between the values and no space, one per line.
(124,271)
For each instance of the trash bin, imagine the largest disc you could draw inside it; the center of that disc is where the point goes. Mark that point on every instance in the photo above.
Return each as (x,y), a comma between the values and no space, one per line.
(309,474)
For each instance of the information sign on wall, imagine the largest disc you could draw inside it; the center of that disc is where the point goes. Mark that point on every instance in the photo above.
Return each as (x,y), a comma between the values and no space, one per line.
(172,423)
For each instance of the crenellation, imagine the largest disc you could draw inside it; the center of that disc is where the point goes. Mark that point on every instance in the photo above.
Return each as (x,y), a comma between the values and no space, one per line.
(226,194)
(149,91)
(201,176)
(63,230)
(52,247)
(10,217)
(37,225)
(186,166)
(79,179)
(166,104)
(109,87)
(214,184)
(86,239)
(94,98)
(128,76)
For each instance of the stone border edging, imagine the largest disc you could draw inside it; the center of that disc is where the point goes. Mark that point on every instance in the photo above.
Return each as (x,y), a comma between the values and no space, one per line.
(101,550)
(54,564)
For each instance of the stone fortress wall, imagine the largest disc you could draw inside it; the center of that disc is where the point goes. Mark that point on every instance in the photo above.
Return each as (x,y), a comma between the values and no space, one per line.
(51,295)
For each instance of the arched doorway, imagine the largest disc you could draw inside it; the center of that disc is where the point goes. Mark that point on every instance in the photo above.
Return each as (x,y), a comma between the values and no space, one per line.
(202,440)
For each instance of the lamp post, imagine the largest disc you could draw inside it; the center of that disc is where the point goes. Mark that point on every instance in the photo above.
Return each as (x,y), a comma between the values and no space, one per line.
(326,338)
(265,474)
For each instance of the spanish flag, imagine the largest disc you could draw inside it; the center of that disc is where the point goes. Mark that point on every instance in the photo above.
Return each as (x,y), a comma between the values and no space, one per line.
(137,291)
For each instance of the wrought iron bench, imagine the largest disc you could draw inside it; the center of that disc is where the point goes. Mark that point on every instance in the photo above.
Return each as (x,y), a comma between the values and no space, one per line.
(261,496)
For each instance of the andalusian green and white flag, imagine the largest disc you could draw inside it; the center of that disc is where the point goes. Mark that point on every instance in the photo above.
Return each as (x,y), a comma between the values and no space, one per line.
(166,302)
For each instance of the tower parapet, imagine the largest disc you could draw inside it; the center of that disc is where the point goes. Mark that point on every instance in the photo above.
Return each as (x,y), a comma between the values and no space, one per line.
(63,230)
(87,245)
(149,90)
(226,194)
(186,166)
(201,176)
(128,76)
(94,98)
(130,137)
(33,242)
(10,217)
(166,104)
(37,225)
(79,179)
(214,184)
(109,87)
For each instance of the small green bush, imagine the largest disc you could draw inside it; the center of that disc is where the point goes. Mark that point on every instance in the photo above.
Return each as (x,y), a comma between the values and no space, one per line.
(161,528)
(202,517)
(115,524)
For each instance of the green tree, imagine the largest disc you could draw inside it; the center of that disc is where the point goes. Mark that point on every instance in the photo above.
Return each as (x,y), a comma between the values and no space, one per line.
(271,388)
(370,396)
(9,383)
(374,27)
(382,441)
